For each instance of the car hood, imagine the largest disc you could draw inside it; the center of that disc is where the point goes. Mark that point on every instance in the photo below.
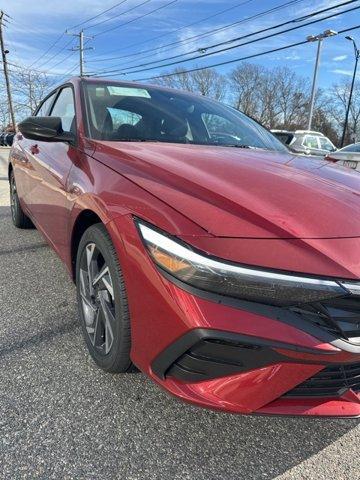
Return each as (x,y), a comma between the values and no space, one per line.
(243,193)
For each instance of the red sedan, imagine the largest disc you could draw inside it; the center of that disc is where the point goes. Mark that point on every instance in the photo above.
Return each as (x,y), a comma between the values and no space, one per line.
(203,253)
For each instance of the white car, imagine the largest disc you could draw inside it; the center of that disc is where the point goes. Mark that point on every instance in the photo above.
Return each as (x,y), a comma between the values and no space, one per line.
(305,142)
(348,156)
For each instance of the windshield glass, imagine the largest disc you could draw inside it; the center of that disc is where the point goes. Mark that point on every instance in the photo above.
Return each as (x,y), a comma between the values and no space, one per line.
(118,112)
(355,147)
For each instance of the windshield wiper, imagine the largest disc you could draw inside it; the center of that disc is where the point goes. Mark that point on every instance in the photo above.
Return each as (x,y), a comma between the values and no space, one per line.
(237,145)
(135,140)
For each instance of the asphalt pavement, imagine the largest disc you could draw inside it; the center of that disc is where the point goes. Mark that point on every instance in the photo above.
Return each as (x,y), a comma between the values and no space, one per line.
(63,418)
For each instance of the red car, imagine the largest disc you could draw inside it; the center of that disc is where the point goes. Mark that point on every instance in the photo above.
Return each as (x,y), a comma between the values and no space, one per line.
(203,253)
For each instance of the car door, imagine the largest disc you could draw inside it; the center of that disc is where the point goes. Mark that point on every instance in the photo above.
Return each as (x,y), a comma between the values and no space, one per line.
(27,178)
(311,142)
(51,163)
(325,145)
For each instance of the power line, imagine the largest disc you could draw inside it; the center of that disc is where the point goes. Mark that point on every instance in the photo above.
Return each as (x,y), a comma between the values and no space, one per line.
(98,15)
(68,44)
(229,62)
(68,72)
(28,69)
(196,57)
(63,59)
(137,18)
(48,50)
(119,15)
(203,50)
(63,34)
(39,33)
(208,33)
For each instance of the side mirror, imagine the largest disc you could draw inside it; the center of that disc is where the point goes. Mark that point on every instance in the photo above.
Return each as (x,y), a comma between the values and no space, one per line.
(45,129)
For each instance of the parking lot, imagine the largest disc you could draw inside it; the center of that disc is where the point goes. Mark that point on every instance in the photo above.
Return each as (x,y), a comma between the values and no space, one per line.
(63,418)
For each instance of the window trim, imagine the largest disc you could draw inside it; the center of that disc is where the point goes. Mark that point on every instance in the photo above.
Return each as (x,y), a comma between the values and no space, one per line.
(53,92)
(58,90)
(328,141)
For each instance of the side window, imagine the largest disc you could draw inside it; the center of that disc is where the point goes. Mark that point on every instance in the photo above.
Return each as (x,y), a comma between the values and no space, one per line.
(311,141)
(45,106)
(325,144)
(65,109)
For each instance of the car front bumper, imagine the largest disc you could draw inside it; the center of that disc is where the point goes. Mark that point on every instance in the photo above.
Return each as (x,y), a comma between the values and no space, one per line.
(236,373)
(231,355)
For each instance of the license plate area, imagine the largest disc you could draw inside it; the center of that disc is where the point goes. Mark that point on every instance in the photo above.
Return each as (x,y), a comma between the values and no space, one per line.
(350,164)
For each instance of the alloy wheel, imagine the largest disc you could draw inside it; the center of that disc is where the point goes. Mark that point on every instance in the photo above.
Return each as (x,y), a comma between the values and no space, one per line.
(97,298)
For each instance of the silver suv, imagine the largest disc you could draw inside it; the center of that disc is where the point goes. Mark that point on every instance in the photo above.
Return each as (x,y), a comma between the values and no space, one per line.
(306,142)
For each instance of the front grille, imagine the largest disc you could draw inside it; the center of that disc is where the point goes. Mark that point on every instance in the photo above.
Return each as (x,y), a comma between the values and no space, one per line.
(339,316)
(333,381)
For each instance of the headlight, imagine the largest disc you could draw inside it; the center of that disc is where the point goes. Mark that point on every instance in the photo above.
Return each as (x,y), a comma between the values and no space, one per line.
(217,276)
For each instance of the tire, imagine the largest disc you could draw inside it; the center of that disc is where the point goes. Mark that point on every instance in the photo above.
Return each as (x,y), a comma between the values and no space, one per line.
(20,220)
(102,301)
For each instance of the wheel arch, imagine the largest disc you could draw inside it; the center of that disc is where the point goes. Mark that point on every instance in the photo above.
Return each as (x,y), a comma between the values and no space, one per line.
(84,220)
(10,169)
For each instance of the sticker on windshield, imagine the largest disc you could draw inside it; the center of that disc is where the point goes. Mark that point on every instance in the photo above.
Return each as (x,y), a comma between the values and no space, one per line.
(129,92)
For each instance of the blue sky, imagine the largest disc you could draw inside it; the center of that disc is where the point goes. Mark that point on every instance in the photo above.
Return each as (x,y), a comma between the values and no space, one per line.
(32,30)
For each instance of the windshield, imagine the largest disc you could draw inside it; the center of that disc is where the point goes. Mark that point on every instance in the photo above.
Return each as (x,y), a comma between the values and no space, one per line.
(118,112)
(355,147)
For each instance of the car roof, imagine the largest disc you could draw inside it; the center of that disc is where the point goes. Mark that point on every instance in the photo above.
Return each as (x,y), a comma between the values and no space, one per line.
(309,132)
(274,130)
(128,84)
(298,132)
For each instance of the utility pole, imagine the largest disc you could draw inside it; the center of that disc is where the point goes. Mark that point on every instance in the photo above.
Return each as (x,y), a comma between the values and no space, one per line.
(81,50)
(317,38)
(357,56)
(6,72)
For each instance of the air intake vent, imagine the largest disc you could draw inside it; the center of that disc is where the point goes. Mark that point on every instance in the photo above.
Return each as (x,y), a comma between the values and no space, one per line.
(330,382)
(340,316)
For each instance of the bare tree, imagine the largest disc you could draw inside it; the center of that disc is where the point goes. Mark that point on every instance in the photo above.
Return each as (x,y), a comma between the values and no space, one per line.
(255,92)
(207,82)
(4,113)
(276,97)
(292,97)
(336,107)
(244,83)
(29,88)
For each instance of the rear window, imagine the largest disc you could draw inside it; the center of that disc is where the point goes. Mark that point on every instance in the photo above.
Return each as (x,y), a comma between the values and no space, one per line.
(285,138)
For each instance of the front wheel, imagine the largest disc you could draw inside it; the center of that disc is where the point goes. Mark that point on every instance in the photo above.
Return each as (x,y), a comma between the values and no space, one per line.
(102,301)
(20,220)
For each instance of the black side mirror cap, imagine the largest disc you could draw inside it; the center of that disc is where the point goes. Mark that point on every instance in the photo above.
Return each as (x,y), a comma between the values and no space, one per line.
(45,129)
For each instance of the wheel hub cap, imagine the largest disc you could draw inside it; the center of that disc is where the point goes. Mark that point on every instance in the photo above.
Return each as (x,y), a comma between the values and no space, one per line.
(97,298)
